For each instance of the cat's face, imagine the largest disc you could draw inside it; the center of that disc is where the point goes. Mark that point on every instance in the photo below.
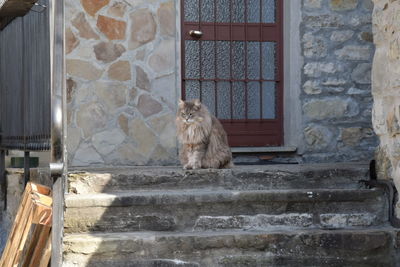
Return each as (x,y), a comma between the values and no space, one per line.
(189,112)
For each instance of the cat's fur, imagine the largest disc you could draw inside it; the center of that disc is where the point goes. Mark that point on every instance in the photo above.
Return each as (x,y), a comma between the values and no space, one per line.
(203,139)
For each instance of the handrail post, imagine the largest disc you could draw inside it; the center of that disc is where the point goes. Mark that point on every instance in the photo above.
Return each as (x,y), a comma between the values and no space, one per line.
(26,166)
(58,105)
(3,178)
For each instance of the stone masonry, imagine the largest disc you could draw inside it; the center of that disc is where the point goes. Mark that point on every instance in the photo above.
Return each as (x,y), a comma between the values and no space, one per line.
(121,65)
(123,81)
(385,89)
(337,47)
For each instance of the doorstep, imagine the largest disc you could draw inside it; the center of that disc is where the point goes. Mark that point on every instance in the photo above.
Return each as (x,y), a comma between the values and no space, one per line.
(273,149)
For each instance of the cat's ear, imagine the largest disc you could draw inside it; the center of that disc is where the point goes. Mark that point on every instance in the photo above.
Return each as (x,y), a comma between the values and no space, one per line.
(197,103)
(181,103)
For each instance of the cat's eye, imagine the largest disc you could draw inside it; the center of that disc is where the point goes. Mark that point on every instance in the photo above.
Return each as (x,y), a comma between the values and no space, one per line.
(183,114)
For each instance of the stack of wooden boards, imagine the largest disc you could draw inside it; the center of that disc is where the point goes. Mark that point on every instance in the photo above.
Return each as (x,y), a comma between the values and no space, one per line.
(29,242)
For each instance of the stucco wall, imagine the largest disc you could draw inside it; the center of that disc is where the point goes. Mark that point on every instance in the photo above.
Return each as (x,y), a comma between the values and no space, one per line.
(386,82)
(121,81)
(337,48)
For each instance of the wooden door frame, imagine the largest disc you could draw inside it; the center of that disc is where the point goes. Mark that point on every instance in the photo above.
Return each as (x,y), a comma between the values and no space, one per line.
(251,28)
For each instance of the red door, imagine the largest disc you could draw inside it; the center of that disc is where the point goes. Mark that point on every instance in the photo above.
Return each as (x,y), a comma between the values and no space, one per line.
(233,61)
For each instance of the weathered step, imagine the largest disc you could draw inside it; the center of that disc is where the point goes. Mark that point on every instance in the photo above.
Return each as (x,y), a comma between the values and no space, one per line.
(221,209)
(135,263)
(262,261)
(239,178)
(247,261)
(234,248)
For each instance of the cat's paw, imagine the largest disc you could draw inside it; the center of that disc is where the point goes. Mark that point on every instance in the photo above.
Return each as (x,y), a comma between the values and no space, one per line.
(197,166)
(187,167)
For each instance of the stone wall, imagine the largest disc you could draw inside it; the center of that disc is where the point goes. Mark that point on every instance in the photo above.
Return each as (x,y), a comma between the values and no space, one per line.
(385,88)
(337,47)
(121,81)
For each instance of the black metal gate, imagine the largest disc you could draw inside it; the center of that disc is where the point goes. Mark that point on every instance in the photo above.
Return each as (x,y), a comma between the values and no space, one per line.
(33,98)
(25,117)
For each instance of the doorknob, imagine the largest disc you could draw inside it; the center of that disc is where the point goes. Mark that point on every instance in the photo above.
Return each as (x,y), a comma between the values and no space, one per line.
(195,33)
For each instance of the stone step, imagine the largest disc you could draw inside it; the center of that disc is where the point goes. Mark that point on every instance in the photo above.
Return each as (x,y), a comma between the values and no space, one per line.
(234,248)
(177,210)
(262,261)
(253,260)
(295,176)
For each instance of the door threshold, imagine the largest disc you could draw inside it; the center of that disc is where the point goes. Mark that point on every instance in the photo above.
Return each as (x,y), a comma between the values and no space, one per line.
(266,149)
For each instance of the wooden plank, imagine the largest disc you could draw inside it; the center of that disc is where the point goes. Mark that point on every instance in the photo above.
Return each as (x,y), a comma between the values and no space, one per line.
(16,238)
(41,189)
(30,236)
(24,235)
(42,214)
(41,245)
(22,210)
(44,261)
(17,223)
(27,256)
(42,199)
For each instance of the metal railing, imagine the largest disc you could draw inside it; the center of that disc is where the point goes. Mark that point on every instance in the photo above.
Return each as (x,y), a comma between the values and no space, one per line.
(58,166)
(32,98)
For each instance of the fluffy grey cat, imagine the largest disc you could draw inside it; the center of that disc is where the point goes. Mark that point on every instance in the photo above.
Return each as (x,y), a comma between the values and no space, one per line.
(203,139)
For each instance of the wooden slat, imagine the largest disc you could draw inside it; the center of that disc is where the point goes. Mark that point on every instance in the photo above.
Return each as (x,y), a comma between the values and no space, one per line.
(40,247)
(44,261)
(18,224)
(41,189)
(42,214)
(27,256)
(22,236)
(42,199)
(29,239)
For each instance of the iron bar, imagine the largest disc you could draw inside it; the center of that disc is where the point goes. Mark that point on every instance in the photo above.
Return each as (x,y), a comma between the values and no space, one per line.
(245,63)
(280,85)
(183,52)
(230,58)
(3,178)
(215,60)
(26,167)
(200,56)
(58,105)
(261,61)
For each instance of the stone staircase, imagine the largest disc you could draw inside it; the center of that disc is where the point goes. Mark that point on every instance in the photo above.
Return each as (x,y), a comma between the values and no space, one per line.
(277,215)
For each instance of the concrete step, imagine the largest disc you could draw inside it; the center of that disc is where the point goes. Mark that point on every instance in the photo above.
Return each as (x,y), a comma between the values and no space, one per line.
(375,247)
(177,210)
(309,176)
